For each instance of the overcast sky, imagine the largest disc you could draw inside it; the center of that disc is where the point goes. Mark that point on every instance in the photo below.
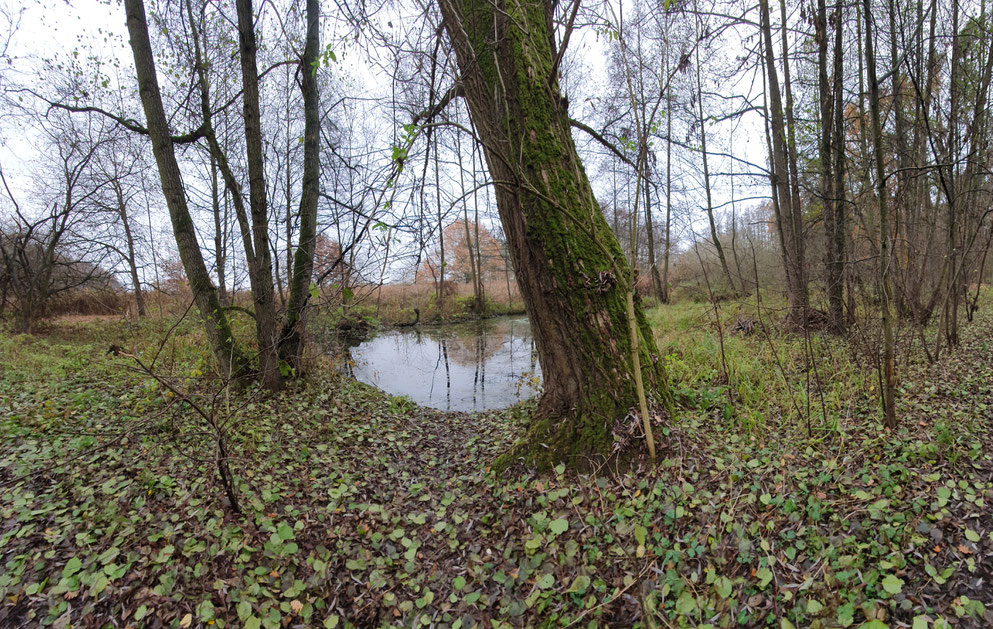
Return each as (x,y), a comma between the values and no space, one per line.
(55,29)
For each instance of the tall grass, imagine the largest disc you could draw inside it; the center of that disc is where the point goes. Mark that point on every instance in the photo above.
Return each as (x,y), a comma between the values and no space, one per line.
(774,379)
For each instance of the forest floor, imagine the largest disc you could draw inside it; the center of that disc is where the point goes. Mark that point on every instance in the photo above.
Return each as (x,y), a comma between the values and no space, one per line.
(770,506)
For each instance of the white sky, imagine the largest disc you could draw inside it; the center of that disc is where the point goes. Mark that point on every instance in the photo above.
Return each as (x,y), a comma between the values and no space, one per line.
(55,29)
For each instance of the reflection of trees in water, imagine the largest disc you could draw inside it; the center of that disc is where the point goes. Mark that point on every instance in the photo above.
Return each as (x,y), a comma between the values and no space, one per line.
(447,367)
(469,349)
(473,346)
(469,344)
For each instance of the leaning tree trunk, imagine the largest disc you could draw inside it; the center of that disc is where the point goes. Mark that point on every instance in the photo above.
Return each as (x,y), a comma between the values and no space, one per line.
(229,360)
(569,265)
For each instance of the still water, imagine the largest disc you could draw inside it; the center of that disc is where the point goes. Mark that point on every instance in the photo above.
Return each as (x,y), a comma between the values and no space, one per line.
(457,367)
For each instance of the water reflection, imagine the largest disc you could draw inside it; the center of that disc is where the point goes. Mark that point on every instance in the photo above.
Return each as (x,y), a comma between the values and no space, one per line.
(459,367)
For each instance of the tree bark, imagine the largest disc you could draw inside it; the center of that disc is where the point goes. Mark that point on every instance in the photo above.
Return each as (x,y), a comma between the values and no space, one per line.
(219,229)
(788,214)
(263,291)
(230,360)
(122,210)
(889,362)
(837,269)
(653,267)
(667,253)
(706,180)
(569,265)
(836,316)
(291,339)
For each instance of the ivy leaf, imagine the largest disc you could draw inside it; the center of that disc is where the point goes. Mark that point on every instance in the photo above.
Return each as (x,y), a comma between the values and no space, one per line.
(892,584)
(686,604)
(640,534)
(580,584)
(722,585)
(846,615)
(765,577)
(205,611)
(558,526)
(244,610)
(944,494)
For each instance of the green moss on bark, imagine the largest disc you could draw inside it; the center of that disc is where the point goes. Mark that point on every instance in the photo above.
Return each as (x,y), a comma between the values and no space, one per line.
(570,267)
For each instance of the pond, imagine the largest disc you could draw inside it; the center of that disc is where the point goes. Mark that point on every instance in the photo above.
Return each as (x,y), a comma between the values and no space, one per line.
(472,366)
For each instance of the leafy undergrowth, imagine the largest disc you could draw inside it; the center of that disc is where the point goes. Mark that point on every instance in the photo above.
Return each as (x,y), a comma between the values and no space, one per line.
(363,510)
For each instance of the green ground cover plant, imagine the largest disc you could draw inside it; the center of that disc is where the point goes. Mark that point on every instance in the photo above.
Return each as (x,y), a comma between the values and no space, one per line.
(774,503)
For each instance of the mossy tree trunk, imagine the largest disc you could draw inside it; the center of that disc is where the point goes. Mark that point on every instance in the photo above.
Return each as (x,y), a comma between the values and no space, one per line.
(230,360)
(570,268)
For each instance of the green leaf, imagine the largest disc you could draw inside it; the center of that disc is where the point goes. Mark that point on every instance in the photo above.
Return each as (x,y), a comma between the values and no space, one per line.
(580,584)
(944,494)
(814,607)
(206,611)
(971,535)
(244,610)
(920,622)
(846,615)
(459,582)
(686,604)
(111,553)
(284,532)
(546,581)
(722,585)
(72,567)
(892,584)
(558,526)
(640,534)
(874,624)
(765,577)
(253,622)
